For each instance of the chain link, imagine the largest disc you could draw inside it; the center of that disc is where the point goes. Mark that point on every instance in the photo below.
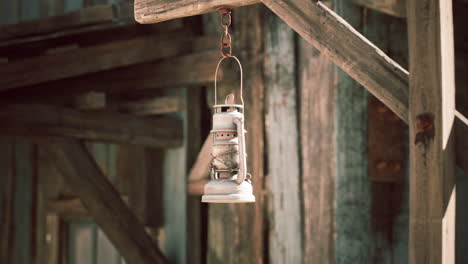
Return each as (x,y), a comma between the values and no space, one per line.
(226,39)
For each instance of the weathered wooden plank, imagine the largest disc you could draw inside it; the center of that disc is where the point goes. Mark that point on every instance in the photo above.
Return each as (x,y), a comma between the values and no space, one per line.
(391,7)
(201,168)
(348,49)
(431,137)
(42,120)
(385,147)
(23,203)
(236,231)
(353,194)
(285,230)
(67,208)
(49,186)
(197,69)
(6,198)
(175,196)
(90,100)
(103,202)
(318,153)
(82,17)
(193,114)
(153,11)
(153,106)
(92,59)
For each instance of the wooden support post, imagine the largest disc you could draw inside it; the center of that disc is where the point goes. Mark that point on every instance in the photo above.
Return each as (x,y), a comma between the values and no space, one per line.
(51,121)
(431,121)
(85,179)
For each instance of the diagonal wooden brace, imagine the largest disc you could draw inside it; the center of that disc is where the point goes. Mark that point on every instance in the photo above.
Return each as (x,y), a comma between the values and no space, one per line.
(103,202)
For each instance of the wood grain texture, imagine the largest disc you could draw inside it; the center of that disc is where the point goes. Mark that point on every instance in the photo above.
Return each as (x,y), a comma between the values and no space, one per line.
(92,59)
(318,153)
(153,106)
(386,141)
(348,49)
(431,118)
(51,121)
(193,113)
(282,144)
(154,11)
(236,231)
(83,17)
(197,69)
(353,225)
(175,171)
(103,202)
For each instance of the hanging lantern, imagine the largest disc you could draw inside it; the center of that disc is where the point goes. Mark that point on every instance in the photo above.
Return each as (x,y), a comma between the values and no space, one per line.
(230,182)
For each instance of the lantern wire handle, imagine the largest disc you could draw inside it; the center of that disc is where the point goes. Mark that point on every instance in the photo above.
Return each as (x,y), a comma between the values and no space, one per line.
(241,78)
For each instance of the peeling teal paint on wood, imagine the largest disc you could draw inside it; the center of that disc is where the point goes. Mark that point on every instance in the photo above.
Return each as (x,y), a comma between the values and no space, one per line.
(371,218)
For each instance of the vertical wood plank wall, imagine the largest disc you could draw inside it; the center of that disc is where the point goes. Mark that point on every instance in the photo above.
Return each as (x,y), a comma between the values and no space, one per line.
(371,218)
(317,83)
(282,143)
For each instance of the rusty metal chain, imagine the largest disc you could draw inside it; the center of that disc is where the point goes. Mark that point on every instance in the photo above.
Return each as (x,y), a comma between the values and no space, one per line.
(226,39)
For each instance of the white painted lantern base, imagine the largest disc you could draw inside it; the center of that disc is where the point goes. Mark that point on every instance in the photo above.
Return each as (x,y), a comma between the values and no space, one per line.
(228,191)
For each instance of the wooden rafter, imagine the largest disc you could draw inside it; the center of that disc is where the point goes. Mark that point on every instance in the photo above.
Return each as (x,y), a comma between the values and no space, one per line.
(103,202)
(83,17)
(92,59)
(154,11)
(52,121)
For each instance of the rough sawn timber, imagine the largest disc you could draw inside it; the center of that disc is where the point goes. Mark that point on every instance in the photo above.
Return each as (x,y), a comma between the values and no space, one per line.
(52,121)
(154,11)
(431,132)
(83,176)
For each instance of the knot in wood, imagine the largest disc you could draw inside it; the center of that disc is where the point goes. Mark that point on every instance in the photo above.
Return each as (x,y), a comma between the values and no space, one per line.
(424,128)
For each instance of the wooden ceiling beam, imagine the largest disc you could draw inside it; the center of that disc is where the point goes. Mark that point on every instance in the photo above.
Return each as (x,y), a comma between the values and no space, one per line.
(53,121)
(93,59)
(103,202)
(196,69)
(83,17)
(154,11)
